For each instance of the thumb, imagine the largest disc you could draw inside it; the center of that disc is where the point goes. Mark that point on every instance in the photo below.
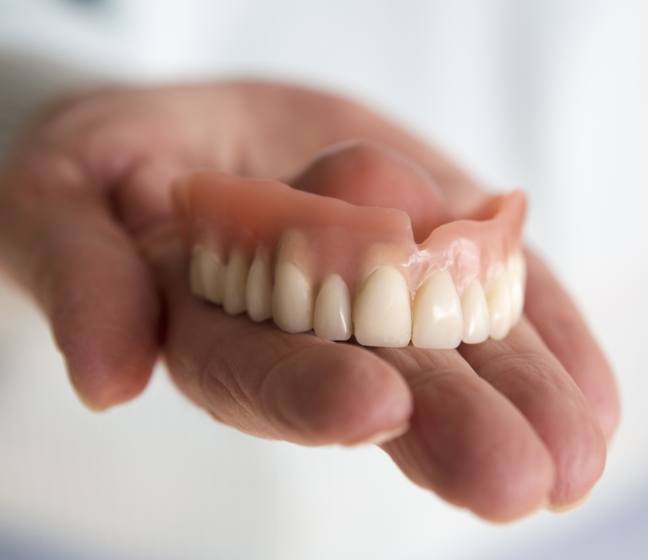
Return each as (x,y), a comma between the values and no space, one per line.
(60,241)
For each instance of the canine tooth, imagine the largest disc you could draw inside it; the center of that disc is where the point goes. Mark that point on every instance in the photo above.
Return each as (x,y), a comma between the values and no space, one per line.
(438,321)
(498,297)
(292,299)
(381,310)
(517,277)
(475,313)
(332,317)
(258,293)
(235,282)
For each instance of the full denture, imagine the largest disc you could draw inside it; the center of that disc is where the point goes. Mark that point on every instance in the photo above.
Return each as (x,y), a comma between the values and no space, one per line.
(311,261)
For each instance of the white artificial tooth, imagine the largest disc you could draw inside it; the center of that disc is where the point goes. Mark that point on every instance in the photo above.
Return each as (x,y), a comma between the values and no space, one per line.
(213,277)
(207,274)
(292,299)
(475,313)
(517,278)
(381,310)
(236,274)
(332,317)
(258,294)
(498,297)
(195,271)
(438,320)
(517,263)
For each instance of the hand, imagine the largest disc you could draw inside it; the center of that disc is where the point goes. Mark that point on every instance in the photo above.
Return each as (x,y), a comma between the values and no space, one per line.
(500,428)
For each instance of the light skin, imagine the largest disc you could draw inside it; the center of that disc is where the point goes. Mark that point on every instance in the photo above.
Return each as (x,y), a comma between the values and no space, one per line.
(87,227)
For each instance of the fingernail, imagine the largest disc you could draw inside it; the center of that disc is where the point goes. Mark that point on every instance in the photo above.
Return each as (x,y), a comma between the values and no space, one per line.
(381,437)
(92,406)
(569,506)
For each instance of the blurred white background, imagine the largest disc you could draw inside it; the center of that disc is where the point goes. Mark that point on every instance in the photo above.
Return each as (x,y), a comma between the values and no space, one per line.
(549,95)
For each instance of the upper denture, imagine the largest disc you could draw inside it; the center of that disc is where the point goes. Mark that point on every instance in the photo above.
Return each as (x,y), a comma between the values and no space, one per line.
(341,267)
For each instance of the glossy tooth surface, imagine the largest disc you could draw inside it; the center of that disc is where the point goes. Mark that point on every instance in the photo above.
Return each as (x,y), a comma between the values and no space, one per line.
(498,297)
(517,278)
(332,318)
(381,310)
(292,299)
(236,274)
(258,294)
(438,321)
(475,314)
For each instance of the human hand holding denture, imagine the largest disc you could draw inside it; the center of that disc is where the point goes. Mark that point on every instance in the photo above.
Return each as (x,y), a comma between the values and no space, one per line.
(380,242)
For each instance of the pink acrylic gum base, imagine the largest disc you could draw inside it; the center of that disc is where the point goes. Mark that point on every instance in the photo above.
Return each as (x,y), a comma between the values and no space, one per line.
(329,235)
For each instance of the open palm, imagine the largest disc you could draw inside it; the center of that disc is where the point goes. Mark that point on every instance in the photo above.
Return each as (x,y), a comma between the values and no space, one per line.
(500,428)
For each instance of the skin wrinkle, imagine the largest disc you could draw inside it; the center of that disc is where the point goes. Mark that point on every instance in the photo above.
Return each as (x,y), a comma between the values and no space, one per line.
(218,367)
(270,404)
(212,369)
(208,133)
(574,346)
(368,173)
(574,451)
(536,365)
(418,448)
(430,470)
(207,380)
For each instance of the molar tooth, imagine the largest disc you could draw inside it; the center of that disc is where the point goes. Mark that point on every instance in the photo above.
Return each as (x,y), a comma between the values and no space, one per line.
(332,318)
(381,310)
(517,277)
(206,273)
(498,297)
(235,282)
(475,313)
(258,293)
(195,271)
(214,278)
(292,299)
(438,321)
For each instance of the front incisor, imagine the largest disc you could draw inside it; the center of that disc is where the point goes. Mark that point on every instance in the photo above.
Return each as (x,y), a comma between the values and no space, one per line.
(332,319)
(438,321)
(381,310)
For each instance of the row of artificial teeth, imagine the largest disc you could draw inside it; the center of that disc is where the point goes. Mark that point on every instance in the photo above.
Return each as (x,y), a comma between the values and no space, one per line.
(383,312)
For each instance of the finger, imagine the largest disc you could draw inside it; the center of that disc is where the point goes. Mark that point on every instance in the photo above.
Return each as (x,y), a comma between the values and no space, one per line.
(253,376)
(563,329)
(548,306)
(467,442)
(62,243)
(263,381)
(528,374)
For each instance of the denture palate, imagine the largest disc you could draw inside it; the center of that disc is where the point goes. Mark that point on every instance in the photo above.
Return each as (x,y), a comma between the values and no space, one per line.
(311,261)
